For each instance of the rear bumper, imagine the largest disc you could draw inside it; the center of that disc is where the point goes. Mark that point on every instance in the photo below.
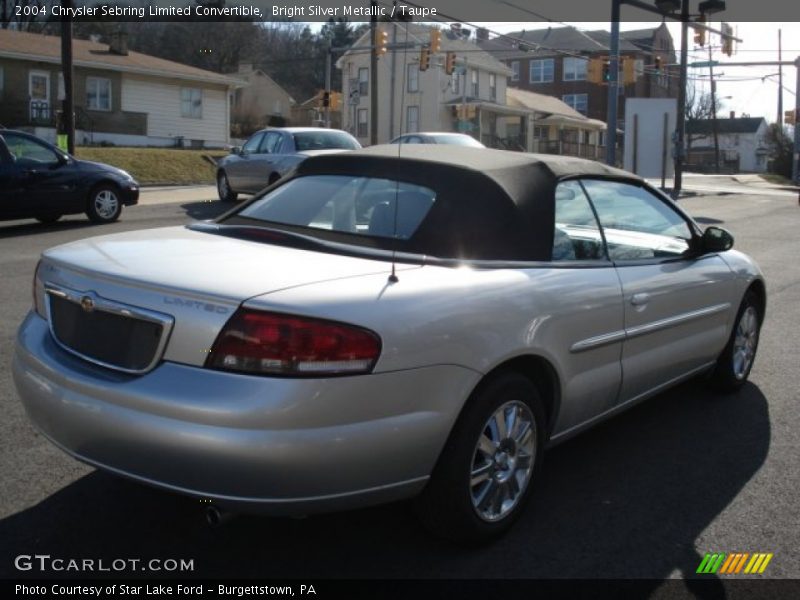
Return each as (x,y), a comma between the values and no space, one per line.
(280,446)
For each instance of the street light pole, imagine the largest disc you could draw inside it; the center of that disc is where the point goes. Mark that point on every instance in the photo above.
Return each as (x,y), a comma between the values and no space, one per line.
(796,158)
(680,126)
(613,90)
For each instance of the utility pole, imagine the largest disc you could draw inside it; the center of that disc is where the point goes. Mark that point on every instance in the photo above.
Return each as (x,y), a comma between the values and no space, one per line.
(680,126)
(613,90)
(796,158)
(780,81)
(328,69)
(714,123)
(68,111)
(373,74)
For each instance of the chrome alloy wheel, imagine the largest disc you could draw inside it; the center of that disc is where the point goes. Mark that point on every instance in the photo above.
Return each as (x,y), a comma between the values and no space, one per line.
(745,342)
(503,461)
(106,204)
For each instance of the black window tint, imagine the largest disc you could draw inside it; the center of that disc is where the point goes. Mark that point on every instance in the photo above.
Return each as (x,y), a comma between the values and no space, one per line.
(636,223)
(576,235)
(346,204)
(323,140)
(26,151)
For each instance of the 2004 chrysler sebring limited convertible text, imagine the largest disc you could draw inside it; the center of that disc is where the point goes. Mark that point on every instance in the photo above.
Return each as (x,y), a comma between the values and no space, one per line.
(376,327)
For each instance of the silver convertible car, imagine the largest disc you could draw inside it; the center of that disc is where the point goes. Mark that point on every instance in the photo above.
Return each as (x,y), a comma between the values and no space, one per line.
(380,326)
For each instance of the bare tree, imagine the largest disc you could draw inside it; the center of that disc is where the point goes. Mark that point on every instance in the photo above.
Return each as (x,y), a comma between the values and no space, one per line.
(26,15)
(699,107)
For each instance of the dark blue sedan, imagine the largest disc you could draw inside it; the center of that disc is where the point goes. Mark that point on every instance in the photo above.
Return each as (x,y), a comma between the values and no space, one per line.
(40,181)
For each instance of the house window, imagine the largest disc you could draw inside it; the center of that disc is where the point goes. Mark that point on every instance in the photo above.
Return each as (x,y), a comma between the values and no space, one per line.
(475,89)
(514,70)
(413,78)
(412,119)
(575,69)
(98,93)
(363,82)
(541,71)
(492,86)
(579,102)
(363,127)
(192,103)
(540,132)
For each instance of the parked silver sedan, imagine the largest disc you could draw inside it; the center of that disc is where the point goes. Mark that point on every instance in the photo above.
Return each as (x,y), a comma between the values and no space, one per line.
(385,324)
(271,153)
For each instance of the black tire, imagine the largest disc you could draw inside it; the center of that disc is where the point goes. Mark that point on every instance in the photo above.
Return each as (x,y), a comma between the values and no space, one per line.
(104,204)
(46,219)
(734,364)
(450,505)
(224,191)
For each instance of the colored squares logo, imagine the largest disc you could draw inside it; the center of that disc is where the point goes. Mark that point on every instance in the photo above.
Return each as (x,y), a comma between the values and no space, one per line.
(734,563)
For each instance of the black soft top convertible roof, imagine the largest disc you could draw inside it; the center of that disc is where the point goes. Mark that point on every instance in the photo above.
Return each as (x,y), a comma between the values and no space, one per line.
(490,204)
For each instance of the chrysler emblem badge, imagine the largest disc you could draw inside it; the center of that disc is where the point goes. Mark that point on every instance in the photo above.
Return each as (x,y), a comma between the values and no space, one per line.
(87,304)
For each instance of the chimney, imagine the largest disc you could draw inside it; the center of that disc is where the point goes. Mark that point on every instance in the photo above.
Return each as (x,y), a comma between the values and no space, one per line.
(733,114)
(119,43)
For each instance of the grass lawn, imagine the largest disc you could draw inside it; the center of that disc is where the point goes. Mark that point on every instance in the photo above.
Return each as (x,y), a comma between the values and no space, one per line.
(157,166)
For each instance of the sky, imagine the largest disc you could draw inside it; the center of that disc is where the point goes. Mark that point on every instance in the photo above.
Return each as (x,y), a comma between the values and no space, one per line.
(745,90)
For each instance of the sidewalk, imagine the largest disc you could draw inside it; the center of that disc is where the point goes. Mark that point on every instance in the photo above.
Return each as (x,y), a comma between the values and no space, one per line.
(183,194)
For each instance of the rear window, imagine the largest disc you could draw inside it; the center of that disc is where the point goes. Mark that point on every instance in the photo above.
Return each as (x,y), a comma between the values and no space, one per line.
(458,140)
(364,206)
(324,140)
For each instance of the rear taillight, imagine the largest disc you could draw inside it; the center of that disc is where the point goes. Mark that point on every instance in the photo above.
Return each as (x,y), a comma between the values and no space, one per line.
(38,293)
(258,342)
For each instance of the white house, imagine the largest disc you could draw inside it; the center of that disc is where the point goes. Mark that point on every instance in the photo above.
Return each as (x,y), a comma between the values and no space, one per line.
(121,97)
(741,144)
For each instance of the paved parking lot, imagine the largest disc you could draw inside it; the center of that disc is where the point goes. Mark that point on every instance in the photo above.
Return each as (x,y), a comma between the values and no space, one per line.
(644,495)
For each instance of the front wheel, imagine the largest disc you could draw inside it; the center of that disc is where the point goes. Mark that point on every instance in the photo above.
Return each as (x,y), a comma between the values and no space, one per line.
(485,473)
(224,191)
(734,364)
(105,205)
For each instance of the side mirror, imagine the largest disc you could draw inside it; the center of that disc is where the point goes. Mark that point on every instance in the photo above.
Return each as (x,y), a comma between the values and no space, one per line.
(236,150)
(716,239)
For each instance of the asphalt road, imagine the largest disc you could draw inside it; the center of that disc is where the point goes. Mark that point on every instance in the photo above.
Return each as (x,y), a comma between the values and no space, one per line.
(643,495)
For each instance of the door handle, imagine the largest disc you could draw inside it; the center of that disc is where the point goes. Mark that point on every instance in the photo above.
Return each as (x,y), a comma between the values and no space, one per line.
(640,299)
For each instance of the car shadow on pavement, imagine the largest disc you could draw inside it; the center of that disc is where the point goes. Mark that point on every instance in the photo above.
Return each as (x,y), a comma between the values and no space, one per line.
(32,227)
(625,500)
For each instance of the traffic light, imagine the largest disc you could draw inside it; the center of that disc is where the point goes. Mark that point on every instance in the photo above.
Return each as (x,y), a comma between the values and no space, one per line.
(436,41)
(381,41)
(450,63)
(325,99)
(594,70)
(335,100)
(606,71)
(700,32)
(657,65)
(727,39)
(424,58)
(789,117)
(628,70)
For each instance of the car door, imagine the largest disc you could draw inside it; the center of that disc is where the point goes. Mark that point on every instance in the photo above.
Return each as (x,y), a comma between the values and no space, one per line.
(39,180)
(677,303)
(237,165)
(583,321)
